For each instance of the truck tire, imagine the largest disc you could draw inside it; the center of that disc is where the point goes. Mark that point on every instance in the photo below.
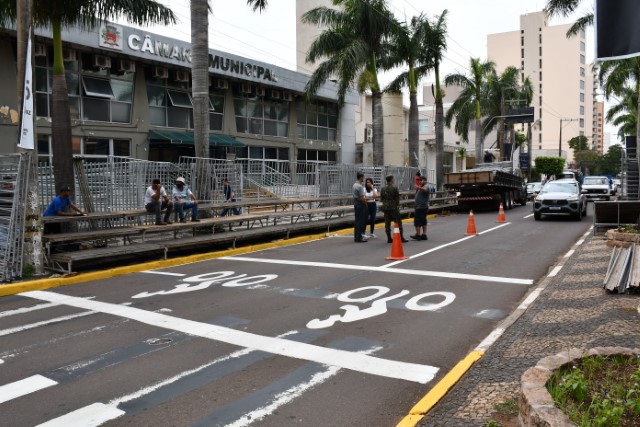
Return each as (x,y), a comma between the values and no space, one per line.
(537,216)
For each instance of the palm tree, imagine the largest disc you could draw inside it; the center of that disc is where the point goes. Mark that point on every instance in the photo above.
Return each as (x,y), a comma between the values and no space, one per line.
(566,8)
(420,45)
(624,114)
(615,75)
(350,47)
(86,15)
(468,106)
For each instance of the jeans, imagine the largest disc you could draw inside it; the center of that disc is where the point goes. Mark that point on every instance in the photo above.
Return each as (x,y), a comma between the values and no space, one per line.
(236,211)
(157,208)
(372,208)
(360,220)
(187,205)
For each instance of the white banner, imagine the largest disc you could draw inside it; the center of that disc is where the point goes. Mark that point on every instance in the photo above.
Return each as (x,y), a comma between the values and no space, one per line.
(26,132)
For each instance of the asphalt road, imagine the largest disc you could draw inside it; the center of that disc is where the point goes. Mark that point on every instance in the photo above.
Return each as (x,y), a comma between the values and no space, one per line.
(323,333)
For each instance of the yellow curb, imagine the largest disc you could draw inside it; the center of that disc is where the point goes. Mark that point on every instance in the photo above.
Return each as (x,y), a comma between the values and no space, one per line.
(440,390)
(54,282)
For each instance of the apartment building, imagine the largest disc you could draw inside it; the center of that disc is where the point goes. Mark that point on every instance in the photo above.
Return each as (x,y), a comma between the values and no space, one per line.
(561,78)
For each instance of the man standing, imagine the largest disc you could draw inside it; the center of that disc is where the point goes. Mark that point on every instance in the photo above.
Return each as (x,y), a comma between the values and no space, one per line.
(360,208)
(390,198)
(185,200)
(156,200)
(421,209)
(489,157)
(229,196)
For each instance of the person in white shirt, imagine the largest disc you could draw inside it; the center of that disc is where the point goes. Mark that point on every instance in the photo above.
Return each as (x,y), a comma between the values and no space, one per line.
(185,199)
(156,200)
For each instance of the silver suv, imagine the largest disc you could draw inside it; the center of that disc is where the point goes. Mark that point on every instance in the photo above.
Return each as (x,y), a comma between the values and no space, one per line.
(560,197)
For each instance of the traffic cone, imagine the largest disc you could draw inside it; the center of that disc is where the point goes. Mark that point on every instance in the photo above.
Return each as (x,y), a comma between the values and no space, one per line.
(501,217)
(471,226)
(397,253)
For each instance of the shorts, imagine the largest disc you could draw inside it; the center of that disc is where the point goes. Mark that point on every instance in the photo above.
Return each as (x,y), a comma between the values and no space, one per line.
(420,218)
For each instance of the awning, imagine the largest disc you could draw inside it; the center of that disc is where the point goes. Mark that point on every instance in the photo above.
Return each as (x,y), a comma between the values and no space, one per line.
(215,139)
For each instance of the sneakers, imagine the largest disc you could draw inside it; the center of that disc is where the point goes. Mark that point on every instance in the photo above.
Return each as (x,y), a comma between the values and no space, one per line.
(424,237)
(183,220)
(371,236)
(361,241)
(416,237)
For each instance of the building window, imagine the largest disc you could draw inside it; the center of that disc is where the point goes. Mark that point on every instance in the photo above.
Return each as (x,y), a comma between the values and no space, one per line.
(540,63)
(423,126)
(260,115)
(540,125)
(582,46)
(581,84)
(582,73)
(582,59)
(522,53)
(582,110)
(581,123)
(317,120)
(540,50)
(263,153)
(540,99)
(540,75)
(317,156)
(216,111)
(582,97)
(170,107)
(522,41)
(540,38)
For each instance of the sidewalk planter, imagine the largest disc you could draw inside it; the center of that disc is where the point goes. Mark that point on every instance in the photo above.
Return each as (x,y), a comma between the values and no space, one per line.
(621,239)
(536,404)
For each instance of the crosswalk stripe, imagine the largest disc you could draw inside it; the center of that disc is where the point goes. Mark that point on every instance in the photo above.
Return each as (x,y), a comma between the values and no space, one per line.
(88,416)
(23,387)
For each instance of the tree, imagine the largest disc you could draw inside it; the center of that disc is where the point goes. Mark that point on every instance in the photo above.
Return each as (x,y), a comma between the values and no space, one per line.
(624,114)
(566,8)
(420,45)
(612,160)
(468,106)
(350,48)
(579,143)
(549,165)
(86,15)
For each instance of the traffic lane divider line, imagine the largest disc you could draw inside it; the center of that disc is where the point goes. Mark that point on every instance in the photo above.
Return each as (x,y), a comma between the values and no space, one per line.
(345,359)
(385,269)
(425,404)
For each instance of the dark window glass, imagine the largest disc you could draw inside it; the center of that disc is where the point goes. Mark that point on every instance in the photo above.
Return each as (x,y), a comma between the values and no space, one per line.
(96,146)
(270,153)
(121,147)
(157,116)
(255,153)
(177,118)
(95,109)
(42,105)
(283,153)
(215,121)
(180,99)
(100,88)
(120,112)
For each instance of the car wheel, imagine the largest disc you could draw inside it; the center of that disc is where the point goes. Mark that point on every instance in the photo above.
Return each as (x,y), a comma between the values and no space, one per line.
(537,216)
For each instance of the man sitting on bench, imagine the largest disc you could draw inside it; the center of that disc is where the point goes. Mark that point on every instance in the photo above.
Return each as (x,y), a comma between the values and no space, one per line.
(60,207)
(156,200)
(185,200)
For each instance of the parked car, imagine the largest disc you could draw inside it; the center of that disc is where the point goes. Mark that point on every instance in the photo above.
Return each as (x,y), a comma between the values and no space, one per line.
(560,197)
(597,187)
(617,186)
(533,188)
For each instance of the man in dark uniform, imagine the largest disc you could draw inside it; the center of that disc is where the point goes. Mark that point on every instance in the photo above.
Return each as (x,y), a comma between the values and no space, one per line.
(360,209)
(390,198)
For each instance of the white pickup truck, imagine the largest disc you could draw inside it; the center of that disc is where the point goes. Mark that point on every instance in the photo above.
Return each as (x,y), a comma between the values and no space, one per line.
(597,187)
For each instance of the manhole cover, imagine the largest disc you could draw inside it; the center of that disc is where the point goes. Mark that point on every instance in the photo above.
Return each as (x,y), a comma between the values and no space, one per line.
(158,341)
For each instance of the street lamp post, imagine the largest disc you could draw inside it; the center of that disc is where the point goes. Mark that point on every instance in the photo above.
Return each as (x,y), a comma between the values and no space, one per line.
(560,140)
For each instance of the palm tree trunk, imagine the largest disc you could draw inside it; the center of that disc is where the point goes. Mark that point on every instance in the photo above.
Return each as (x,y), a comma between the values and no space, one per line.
(200,88)
(439,140)
(378,128)
(60,117)
(637,138)
(414,131)
(478,144)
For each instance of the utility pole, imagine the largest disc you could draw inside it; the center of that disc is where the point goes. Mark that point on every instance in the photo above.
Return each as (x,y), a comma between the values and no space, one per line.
(560,140)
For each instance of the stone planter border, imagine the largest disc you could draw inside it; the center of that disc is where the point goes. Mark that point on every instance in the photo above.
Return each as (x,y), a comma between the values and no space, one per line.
(536,405)
(621,239)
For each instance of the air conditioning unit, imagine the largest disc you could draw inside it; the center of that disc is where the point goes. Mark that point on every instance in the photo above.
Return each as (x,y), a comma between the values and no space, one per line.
(222,84)
(40,50)
(287,96)
(275,94)
(182,76)
(69,55)
(260,91)
(368,134)
(127,66)
(101,61)
(245,88)
(160,73)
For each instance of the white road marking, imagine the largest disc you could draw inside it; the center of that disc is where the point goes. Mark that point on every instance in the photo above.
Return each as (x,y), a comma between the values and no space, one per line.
(23,387)
(391,264)
(490,339)
(26,309)
(163,273)
(1,361)
(89,416)
(528,216)
(568,254)
(531,298)
(555,271)
(9,331)
(388,270)
(344,359)
(494,228)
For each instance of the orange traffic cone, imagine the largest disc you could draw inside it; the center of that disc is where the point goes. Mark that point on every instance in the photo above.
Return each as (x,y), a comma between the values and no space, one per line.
(397,253)
(501,217)
(471,226)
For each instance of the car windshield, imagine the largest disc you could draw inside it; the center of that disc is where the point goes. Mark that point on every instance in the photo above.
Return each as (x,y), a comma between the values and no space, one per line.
(533,186)
(596,181)
(559,187)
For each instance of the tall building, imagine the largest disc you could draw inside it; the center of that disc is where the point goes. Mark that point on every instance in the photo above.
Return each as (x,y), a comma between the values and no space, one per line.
(598,127)
(562,82)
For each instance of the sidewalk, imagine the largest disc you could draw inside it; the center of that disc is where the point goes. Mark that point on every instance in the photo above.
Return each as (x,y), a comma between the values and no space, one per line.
(572,311)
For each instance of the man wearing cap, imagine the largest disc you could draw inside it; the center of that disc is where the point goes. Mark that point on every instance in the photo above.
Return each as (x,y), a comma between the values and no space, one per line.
(360,208)
(59,206)
(185,199)
(390,198)
(156,200)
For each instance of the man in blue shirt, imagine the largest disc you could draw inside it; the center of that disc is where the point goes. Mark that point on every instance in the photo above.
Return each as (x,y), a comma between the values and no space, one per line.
(59,206)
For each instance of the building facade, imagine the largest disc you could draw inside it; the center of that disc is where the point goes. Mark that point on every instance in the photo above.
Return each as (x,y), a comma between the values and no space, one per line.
(561,78)
(130,95)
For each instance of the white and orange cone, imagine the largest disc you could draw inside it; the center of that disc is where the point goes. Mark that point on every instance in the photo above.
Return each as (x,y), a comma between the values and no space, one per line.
(501,216)
(397,253)
(471,225)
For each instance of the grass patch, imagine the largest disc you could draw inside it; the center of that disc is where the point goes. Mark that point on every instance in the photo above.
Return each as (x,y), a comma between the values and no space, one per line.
(599,391)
